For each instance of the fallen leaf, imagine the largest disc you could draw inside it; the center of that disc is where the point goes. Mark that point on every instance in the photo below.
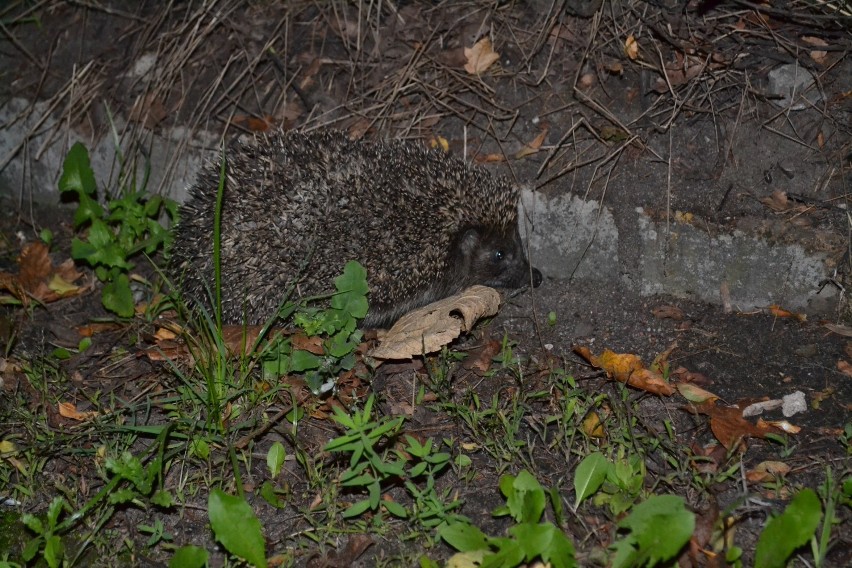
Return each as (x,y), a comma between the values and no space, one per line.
(768,471)
(759,408)
(695,394)
(489,158)
(628,368)
(729,426)
(844,367)
(818,55)
(479,359)
(480,56)
(69,410)
(254,123)
(631,48)
(35,266)
(592,426)
(148,110)
(667,312)
(429,328)
(533,146)
(777,201)
(779,312)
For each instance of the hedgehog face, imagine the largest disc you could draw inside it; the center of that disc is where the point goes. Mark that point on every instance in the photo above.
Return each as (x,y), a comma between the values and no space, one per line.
(493,259)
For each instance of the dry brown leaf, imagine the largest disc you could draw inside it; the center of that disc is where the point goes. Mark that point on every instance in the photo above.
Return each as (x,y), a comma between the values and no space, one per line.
(431,327)
(628,368)
(818,55)
(254,123)
(768,471)
(778,201)
(479,359)
(489,158)
(35,266)
(480,56)
(533,146)
(667,312)
(631,48)
(69,410)
(240,339)
(729,426)
(311,344)
(844,367)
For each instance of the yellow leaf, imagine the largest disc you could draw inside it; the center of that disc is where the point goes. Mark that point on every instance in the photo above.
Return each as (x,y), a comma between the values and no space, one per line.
(61,286)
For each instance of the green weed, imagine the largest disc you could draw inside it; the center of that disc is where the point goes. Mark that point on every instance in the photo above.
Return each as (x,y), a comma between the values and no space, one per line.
(127,227)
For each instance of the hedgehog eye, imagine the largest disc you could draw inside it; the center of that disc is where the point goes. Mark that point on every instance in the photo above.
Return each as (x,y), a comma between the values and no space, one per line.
(499,255)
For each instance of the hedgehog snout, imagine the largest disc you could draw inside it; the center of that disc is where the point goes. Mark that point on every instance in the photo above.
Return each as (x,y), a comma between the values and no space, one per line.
(536,277)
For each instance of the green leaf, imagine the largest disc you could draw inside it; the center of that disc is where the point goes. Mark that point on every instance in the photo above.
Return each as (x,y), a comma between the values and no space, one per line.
(659,527)
(525,497)
(544,540)
(117,296)
(395,509)
(53,551)
(356,509)
(189,557)
(162,498)
(303,360)
(267,492)
(463,537)
(788,531)
(589,476)
(275,458)
(31,548)
(236,527)
(77,172)
(33,523)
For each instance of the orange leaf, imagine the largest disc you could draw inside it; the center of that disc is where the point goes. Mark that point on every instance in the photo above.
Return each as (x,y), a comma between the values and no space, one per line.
(69,410)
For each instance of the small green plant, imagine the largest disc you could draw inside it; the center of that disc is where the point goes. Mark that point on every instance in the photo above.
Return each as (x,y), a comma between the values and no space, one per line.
(375,464)
(129,482)
(369,467)
(336,325)
(657,530)
(125,228)
(526,501)
(47,532)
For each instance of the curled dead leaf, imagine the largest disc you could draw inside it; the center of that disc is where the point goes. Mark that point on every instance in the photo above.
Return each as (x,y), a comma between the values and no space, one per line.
(628,368)
(431,327)
(69,410)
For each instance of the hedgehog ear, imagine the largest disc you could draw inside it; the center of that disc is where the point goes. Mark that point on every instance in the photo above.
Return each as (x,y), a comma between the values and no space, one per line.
(469,242)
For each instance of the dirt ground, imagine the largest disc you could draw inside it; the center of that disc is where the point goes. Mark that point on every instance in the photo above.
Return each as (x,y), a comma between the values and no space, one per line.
(687,122)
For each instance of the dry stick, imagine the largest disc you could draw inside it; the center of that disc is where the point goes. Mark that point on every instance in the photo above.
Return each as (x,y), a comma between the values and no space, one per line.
(733,135)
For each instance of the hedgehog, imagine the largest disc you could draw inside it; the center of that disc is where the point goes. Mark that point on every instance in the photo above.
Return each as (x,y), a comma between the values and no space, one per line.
(297,206)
